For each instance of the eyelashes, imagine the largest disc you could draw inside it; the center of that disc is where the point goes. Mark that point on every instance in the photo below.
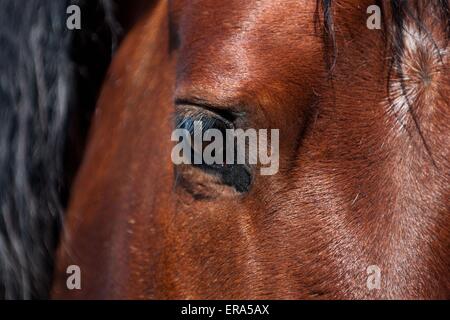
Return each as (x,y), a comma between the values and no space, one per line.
(213,117)
(186,121)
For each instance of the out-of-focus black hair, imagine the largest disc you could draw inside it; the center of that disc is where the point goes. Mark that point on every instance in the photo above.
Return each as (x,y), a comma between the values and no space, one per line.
(49,75)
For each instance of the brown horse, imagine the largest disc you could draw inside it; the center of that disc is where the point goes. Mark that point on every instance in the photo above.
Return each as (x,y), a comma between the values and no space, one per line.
(364,157)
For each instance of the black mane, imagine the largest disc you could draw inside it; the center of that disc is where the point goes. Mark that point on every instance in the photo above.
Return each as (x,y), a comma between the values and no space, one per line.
(44,78)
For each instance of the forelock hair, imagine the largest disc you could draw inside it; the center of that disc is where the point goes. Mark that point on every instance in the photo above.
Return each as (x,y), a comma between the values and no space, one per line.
(398,16)
(401,11)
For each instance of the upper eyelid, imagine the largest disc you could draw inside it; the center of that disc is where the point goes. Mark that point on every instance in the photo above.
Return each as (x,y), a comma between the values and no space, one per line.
(228,112)
(186,115)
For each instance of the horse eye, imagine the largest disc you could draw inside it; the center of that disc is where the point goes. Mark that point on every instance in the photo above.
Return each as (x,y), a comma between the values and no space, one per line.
(234,175)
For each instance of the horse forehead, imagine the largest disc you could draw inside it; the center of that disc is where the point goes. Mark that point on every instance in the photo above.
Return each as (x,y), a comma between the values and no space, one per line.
(231,42)
(208,21)
(231,45)
(217,17)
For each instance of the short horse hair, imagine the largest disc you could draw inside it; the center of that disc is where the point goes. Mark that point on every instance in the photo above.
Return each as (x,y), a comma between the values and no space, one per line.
(44,72)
